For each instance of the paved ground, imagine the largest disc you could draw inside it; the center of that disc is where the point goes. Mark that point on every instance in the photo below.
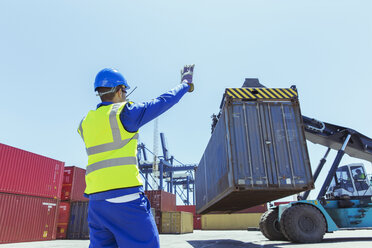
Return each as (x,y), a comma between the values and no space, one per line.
(226,239)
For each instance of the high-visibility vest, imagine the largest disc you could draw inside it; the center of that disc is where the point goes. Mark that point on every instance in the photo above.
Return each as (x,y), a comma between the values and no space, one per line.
(112,151)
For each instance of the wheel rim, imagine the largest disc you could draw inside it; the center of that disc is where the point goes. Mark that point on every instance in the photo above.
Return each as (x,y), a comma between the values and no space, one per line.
(306,224)
(276,226)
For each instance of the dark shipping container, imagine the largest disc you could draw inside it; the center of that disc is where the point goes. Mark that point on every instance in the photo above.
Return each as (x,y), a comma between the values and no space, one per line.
(257,152)
(27,218)
(161,200)
(27,173)
(73,184)
(256,209)
(63,219)
(78,223)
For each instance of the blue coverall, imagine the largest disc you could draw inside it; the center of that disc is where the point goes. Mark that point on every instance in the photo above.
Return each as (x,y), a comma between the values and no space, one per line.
(129,224)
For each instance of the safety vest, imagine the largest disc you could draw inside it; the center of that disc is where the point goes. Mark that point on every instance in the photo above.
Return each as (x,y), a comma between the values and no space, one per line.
(112,151)
(361,176)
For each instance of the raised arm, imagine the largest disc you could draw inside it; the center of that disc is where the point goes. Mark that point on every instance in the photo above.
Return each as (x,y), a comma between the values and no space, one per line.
(135,115)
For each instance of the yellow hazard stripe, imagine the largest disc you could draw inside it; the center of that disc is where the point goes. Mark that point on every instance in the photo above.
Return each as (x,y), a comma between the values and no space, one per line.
(242,93)
(287,92)
(282,93)
(237,94)
(261,93)
(276,94)
(268,93)
(229,93)
(254,90)
(247,92)
(293,91)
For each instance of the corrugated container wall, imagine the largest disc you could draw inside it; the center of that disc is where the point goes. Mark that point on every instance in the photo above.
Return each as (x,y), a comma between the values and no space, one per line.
(191,209)
(78,224)
(27,218)
(176,222)
(27,173)
(257,152)
(63,219)
(73,184)
(231,221)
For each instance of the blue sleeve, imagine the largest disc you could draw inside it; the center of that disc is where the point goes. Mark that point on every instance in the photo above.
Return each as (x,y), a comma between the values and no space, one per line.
(135,115)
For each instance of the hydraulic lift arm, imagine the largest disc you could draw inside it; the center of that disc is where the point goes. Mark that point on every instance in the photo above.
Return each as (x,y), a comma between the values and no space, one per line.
(333,136)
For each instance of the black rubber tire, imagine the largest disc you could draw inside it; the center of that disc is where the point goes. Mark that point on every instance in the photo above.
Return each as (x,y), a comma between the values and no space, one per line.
(303,223)
(270,226)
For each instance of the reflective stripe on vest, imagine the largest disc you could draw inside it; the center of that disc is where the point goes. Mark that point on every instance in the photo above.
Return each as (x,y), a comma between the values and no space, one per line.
(111,163)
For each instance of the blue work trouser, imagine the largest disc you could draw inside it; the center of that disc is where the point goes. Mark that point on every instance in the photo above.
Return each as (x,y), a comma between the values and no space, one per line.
(124,225)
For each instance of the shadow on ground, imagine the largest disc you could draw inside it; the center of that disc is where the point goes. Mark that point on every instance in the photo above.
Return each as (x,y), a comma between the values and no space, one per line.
(341,240)
(230,243)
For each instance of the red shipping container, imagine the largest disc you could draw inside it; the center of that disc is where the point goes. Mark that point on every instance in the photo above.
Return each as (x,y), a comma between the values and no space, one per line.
(191,209)
(256,209)
(63,219)
(27,173)
(186,208)
(161,200)
(197,222)
(61,231)
(280,203)
(73,186)
(27,218)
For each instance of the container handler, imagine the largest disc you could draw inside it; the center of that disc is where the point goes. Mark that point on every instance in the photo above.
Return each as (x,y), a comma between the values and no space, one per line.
(258,153)
(343,202)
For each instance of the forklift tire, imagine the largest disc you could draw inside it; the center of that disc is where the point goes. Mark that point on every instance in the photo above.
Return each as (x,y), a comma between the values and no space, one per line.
(303,223)
(270,226)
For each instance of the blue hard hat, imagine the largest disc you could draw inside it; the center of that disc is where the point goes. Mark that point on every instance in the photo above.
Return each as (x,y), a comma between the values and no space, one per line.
(109,77)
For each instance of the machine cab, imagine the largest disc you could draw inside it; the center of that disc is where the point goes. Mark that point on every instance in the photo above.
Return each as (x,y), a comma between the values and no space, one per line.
(350,180)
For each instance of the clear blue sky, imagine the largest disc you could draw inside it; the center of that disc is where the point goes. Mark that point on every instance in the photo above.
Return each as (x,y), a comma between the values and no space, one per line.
(50,52)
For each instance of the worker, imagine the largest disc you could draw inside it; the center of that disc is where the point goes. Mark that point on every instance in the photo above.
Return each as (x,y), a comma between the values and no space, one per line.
(359,175)
(359,180)
(119,213)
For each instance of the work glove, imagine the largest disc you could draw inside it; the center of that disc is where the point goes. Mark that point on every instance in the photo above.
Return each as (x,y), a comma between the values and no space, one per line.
(186,76)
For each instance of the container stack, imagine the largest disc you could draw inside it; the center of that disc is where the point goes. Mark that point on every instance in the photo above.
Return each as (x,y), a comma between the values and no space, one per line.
(30,188)
(167,218)
(73,210)
(161,201)
(257,152)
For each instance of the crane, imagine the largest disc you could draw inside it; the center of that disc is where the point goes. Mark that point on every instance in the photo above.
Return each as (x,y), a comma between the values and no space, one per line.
(181,185)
